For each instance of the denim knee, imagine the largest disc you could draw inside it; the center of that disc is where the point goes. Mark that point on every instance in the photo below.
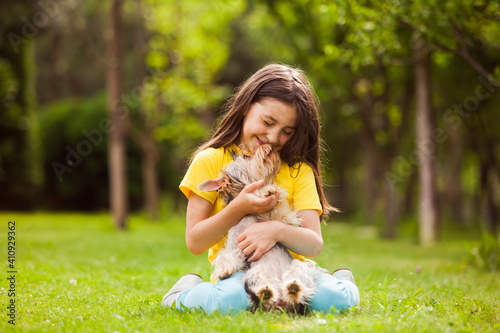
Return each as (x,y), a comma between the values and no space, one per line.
(229,299)
(334,295)
(226,296)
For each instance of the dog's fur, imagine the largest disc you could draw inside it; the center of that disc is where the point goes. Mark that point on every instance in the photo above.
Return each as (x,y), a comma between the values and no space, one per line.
(276,280)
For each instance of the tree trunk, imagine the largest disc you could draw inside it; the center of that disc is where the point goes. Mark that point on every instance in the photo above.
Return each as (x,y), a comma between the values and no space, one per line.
(370,184)
(487,195)
(453,178)
(150,149)
(371,160)
(341,196)
(117,144)
(409,195)
(150,157)
(53,86)
(391,212)
(428,210)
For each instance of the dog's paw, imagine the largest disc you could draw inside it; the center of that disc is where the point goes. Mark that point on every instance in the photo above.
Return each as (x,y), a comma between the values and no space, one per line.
(293,288)
(265,294)
(292,291)
(223,273)
(268,190)
(223,268)
(268,297)
(271,190)
(296,292)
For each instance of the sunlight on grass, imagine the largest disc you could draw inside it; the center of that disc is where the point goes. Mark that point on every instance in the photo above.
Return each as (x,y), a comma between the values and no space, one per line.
(76,274)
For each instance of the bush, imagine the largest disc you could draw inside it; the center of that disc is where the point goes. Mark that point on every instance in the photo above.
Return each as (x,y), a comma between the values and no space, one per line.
(75,155)
(485,254)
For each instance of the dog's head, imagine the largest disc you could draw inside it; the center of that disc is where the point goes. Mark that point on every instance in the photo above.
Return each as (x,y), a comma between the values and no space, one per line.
(245,169)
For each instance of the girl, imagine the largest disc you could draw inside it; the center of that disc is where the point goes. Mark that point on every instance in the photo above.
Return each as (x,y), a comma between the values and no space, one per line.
(274,106)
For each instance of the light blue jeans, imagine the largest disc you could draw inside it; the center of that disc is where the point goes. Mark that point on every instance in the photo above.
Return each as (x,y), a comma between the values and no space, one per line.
(229,295)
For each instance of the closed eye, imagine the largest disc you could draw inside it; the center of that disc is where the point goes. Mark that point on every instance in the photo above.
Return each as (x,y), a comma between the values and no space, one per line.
(286,132)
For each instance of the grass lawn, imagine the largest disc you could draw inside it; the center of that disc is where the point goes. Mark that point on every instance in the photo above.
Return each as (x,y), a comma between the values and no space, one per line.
(76,274)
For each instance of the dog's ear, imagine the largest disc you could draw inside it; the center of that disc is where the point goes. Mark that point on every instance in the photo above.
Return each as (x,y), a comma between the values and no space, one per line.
(210,185)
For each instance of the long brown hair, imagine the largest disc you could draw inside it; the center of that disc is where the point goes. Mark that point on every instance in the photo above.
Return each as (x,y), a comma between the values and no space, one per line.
(288,85)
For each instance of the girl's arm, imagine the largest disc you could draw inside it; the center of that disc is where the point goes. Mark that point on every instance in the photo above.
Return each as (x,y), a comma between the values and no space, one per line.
(306,240)
(203,231)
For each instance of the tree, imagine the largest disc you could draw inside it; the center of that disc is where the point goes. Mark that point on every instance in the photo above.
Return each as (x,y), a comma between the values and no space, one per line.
(143,134)
(188,49)
(469,31)
(349,51)
(116,152)
(350,40)
(428,211)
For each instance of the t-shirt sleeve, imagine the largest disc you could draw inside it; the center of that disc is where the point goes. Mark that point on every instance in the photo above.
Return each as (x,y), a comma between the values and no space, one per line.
(305,194)
(205,165)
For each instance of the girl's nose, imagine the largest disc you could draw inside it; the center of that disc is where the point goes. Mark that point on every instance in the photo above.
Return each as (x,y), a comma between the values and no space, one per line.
(273,138)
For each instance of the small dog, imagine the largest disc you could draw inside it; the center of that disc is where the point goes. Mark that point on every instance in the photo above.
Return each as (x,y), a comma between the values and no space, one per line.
(276,280)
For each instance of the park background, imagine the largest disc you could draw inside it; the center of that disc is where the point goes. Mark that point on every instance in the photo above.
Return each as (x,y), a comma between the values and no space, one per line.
(103,102)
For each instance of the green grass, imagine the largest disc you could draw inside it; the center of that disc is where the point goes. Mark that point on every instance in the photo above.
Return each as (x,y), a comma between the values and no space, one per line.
(76,274)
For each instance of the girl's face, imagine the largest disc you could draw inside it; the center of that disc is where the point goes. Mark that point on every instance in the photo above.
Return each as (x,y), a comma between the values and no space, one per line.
(268,122)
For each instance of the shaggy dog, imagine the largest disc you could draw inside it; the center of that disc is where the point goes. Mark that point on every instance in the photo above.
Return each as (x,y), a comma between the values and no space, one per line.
(276,280)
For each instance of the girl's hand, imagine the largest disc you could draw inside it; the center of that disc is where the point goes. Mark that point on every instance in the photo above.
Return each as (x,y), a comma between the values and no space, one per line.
(249,203)
(259,238)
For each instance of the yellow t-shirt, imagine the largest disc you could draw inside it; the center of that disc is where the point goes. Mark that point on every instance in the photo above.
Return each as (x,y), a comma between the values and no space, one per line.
(298,182)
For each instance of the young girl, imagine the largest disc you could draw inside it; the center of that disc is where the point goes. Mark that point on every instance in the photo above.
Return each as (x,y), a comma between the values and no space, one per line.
(274,106)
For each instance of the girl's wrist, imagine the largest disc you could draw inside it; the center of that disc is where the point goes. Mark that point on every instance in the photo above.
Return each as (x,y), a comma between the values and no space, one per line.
(279,232)
(237,209)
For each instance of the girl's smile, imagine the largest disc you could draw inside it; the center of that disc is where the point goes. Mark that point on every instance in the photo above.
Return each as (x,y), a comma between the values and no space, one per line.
(268,121)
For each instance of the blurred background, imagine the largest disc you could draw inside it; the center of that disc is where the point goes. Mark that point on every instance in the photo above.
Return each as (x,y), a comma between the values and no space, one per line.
(128,88)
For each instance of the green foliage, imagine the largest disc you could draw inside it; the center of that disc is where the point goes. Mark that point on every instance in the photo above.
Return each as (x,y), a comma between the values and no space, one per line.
(74,139)
(358,55)
(8,83)
(188,48)
(20,172)
(485,254)
(80,275)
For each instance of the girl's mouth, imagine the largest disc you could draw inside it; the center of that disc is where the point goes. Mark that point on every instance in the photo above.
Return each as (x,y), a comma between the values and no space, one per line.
(260,142)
